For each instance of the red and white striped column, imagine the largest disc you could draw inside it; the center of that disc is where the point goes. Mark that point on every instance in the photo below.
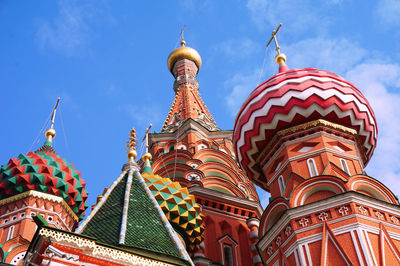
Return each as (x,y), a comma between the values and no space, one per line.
(253,224)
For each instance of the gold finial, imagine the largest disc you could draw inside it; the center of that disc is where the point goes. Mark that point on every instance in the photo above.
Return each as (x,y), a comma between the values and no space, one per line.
(131,145)
(147,156)
(280,58)
(51,133)
(183,43)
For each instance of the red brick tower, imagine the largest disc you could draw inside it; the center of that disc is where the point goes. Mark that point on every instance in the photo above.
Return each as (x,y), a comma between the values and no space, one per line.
(192,150)
(39,182)
(305,135)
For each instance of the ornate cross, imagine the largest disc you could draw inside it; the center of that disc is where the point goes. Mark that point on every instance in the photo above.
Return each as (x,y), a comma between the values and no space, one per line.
(323,216)
(181,36)
(343,210)
(273,37)
(146,136)
(303,221)
(54,113)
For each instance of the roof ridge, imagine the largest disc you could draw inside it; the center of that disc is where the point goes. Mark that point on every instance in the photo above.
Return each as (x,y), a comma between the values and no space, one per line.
(129,217)
(171,232)
(100,203)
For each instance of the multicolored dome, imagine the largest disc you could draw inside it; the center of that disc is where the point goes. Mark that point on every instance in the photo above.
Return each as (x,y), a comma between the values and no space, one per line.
(294,97)
(44,171)
(179,207)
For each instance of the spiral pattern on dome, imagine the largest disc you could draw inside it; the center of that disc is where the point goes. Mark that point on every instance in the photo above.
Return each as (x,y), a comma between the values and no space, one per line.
(44,171)
(295,97)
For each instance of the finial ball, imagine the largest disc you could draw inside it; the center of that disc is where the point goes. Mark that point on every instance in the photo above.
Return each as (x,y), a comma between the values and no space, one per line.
(50,132)
(132,155)
(280,58)
(147,156)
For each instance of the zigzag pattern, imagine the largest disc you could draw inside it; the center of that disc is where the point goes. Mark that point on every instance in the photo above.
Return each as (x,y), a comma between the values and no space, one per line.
(296,97)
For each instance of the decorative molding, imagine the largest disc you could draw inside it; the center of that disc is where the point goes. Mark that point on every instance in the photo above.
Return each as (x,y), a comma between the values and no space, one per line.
(228,199)
(40,195)
(98,249)
(326,204)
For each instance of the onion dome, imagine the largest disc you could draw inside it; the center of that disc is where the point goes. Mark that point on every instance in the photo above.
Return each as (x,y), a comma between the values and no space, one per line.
(293,97)
(45,171)
(178,205)
(183,52)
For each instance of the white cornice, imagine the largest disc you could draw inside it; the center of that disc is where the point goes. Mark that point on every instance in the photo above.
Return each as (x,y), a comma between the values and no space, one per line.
(318,206)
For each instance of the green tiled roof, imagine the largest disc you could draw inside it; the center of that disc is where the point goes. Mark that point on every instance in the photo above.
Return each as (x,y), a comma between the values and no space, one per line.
(145,229)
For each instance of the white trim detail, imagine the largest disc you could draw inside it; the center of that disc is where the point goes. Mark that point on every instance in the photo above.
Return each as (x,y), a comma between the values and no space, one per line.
(281,184)
(10,232)
(344,165)
(312,168)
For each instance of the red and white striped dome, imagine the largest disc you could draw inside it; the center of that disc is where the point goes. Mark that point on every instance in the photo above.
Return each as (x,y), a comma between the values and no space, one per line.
(294,97)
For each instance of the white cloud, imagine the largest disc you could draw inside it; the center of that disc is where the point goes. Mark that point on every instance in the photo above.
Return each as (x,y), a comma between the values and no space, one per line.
(236,49)
(142,115)
(336,55)
(296,15)
(69,29)
(388,12)
(240,85)
(380,83)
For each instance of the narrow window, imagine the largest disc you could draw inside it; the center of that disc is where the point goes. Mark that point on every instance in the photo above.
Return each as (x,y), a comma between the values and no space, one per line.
(10,232)
(281,184)
(344,166)
(228,255)
(171,148)
(311,167)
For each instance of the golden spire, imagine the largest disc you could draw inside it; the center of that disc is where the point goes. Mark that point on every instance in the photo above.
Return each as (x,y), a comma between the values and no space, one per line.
(147,156)
(51,133)
(131,145)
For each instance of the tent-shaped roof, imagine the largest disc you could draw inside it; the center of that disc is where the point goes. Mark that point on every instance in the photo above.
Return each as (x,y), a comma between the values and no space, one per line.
(129,217)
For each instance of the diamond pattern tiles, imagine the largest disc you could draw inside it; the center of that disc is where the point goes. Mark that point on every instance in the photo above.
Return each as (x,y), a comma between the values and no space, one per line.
(179,206)
(44,171)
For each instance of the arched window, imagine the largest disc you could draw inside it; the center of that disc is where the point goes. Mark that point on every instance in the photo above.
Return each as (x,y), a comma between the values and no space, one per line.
(281,184)
(201,146)
(312,168)
(181,147)
(344,166)
(228,255)
(10,232)
(171,148)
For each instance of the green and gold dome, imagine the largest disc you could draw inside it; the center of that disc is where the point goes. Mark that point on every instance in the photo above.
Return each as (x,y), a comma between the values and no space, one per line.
(44,171)
(178,205)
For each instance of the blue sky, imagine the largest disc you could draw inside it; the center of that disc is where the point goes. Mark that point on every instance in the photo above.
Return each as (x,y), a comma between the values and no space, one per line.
(107,62)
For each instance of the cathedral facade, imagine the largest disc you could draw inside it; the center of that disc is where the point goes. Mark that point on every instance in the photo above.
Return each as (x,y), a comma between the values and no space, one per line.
(304,135)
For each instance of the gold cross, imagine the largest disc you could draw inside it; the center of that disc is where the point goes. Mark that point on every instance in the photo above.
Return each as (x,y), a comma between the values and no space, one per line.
(181,34)
(273,37)
(183,43)
(146,137)
(54,113)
